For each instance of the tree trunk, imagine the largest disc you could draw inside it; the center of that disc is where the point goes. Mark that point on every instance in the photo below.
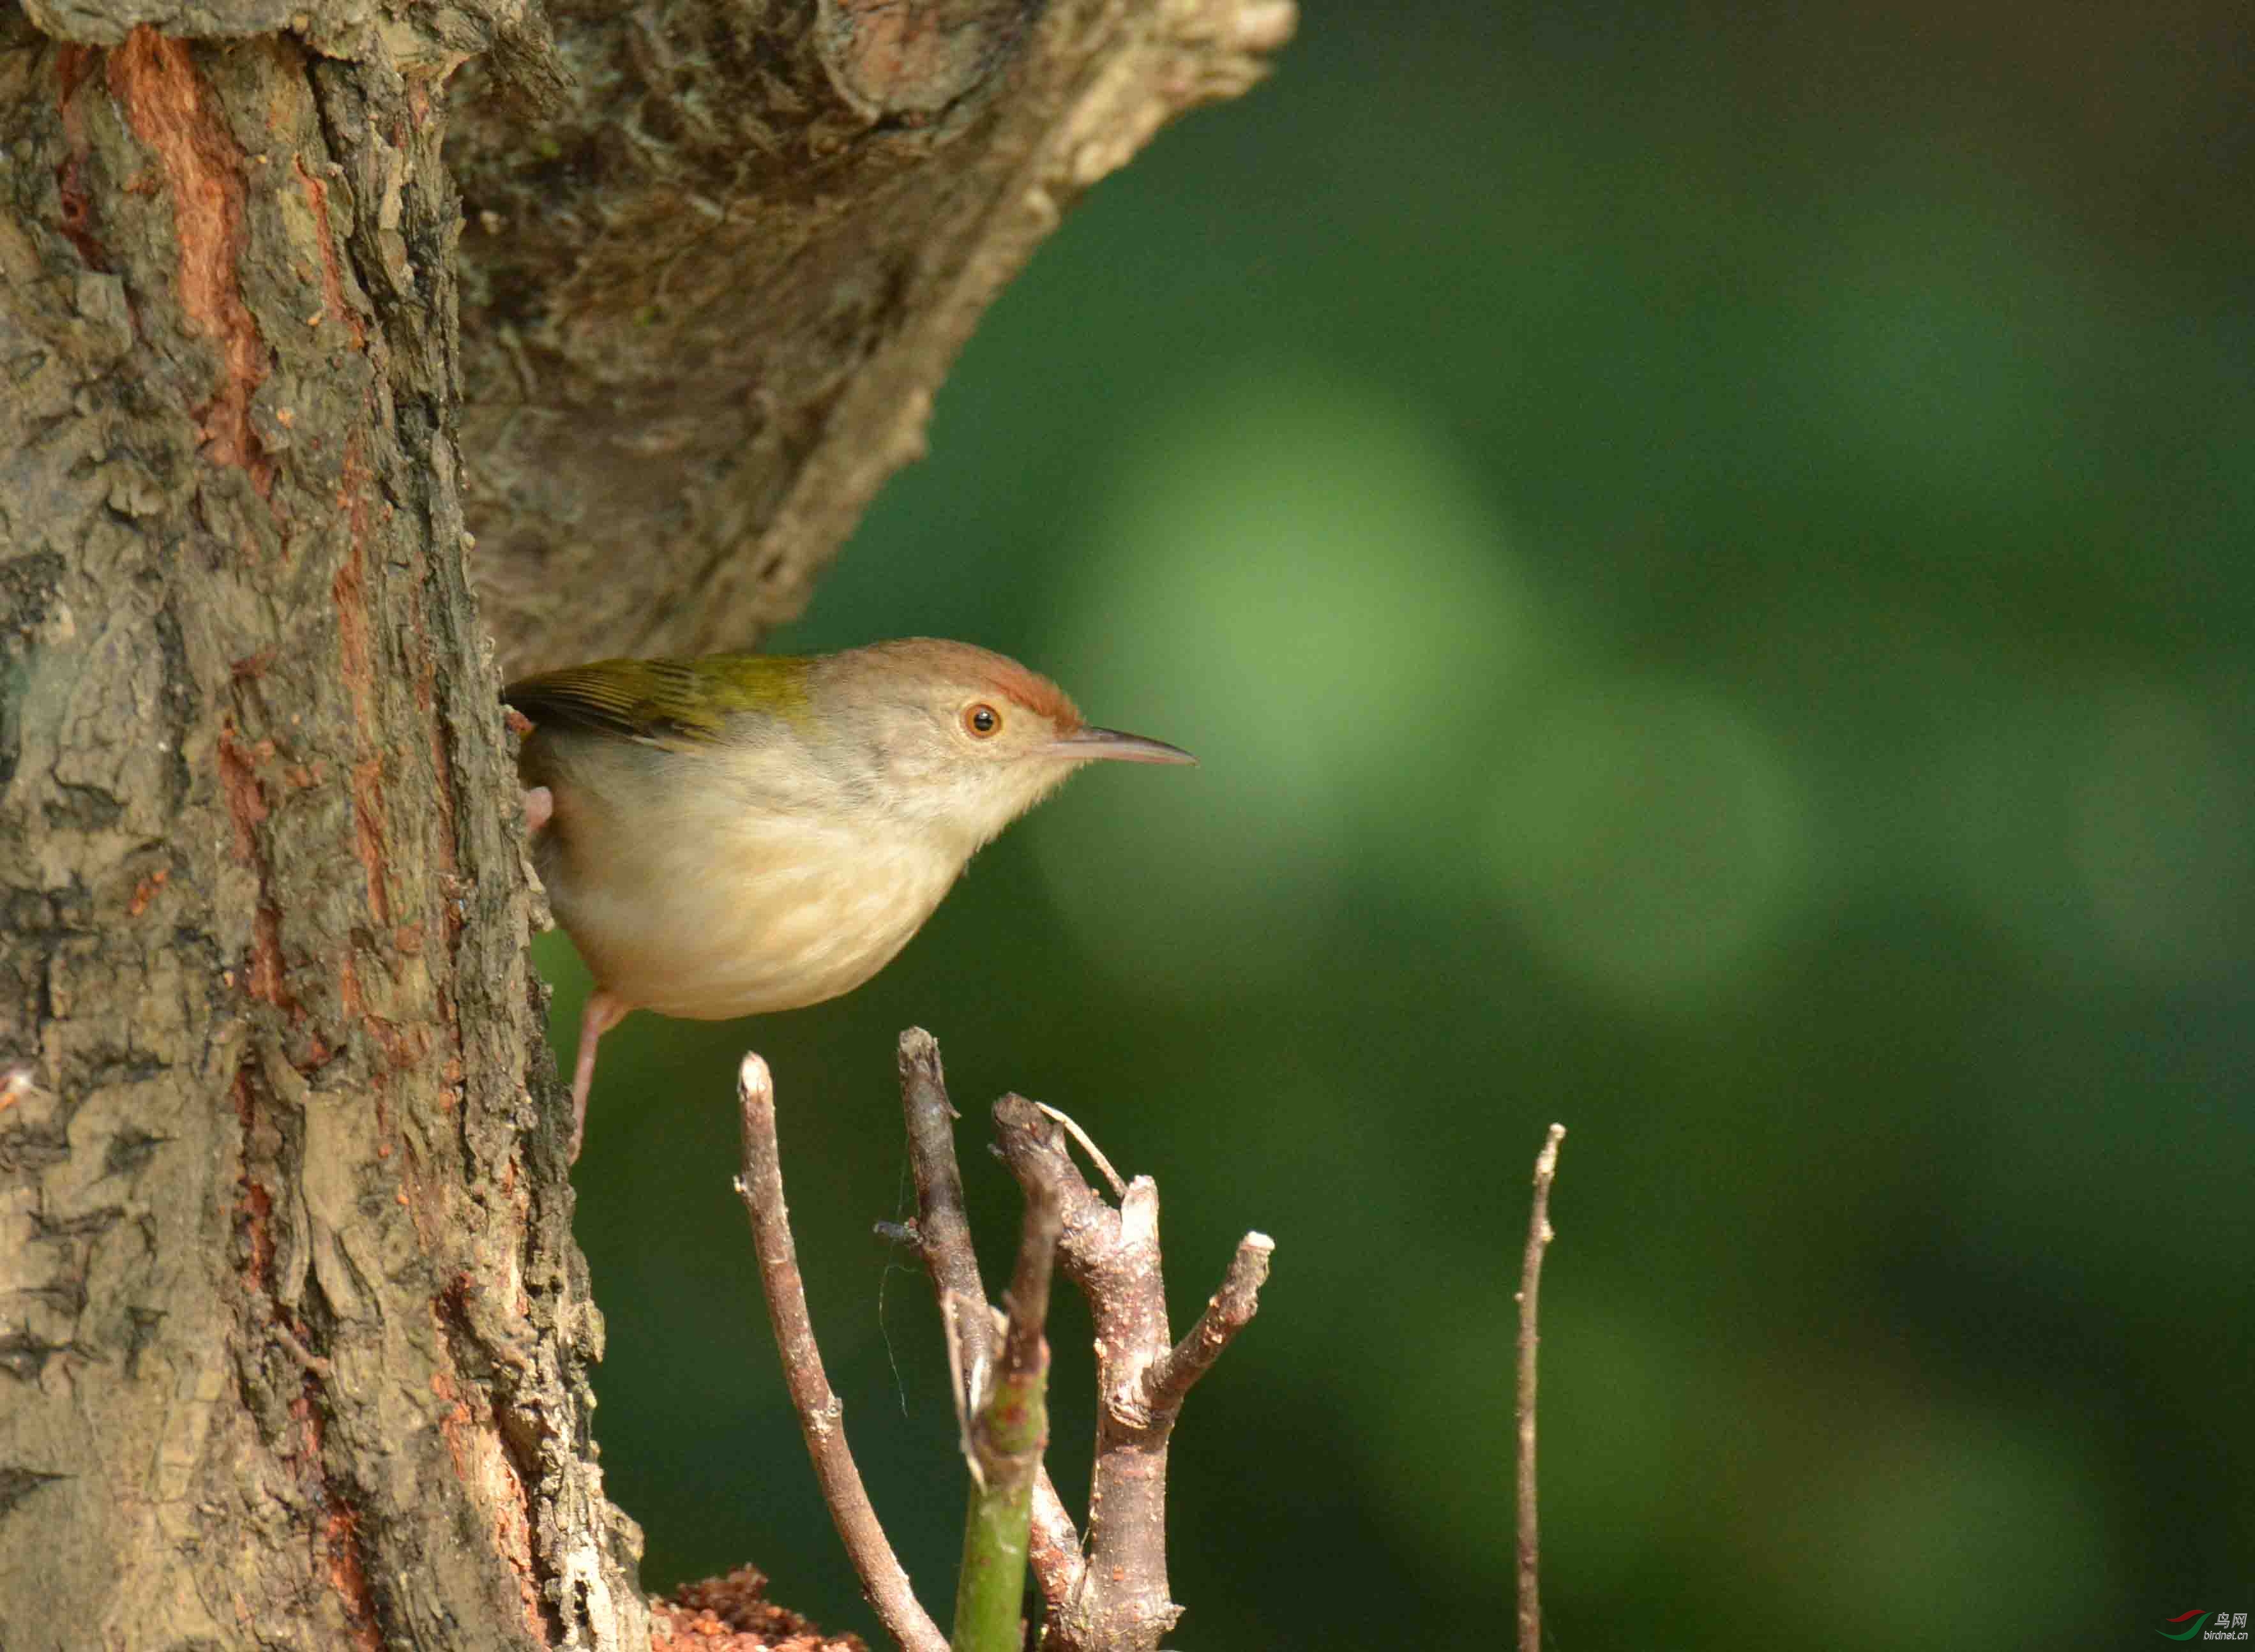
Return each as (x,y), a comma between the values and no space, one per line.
(295,1326)
(293,1335)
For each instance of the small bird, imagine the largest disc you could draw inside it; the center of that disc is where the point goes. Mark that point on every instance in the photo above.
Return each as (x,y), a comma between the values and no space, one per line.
(740,833)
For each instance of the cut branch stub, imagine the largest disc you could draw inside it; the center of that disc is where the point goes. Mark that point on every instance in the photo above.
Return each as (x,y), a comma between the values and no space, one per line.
(1120,1601)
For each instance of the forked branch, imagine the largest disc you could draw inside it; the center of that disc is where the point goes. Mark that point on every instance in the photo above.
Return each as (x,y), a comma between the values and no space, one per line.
(1120,1601)
(942,1236)
(1113,1597)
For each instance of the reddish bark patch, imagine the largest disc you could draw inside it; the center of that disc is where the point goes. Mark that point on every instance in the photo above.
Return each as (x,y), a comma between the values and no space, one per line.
(332,283)
(401,1048)
(78,215)
(246,798)
(264,979)
(155,83)
(72,63)
(145,891)
(368,833)
(340,1530)
(255,1208)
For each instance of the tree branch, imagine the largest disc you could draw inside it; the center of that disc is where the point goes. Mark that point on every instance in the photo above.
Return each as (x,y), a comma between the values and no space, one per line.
(1120,1602)
(707,303)
(1538,1240)
(941,1230)
(1227,1311)
(760,1185)
(942,1236)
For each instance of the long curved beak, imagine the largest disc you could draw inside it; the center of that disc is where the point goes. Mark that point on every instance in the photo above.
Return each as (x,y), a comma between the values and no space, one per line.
(1086,745)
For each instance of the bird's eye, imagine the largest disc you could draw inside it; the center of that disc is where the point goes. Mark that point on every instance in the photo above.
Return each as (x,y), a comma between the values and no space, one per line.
(981,721)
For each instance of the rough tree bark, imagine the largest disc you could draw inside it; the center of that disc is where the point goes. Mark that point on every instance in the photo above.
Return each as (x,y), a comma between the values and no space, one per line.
(294,1336)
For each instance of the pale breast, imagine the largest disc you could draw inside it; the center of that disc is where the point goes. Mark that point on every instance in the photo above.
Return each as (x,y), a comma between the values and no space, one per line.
(708,910)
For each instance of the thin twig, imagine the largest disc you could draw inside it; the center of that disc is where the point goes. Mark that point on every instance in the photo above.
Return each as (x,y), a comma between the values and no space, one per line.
(1027,1301)
(1530,1279)
(943,1229)
(883,1581)
(966,1385)
(942,1234)
(1095,1155)
(1112,1257)
(1227,1311)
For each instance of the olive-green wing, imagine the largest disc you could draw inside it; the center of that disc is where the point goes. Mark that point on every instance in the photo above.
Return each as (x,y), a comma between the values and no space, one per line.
(671,702)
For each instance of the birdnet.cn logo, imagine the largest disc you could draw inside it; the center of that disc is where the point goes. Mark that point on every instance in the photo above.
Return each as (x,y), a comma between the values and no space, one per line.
(2206,1625)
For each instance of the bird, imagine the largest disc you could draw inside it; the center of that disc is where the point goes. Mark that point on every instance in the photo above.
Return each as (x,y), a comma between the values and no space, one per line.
(735,834)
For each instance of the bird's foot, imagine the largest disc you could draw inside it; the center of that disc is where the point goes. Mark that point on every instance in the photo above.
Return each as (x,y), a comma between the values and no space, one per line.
(604,1010)
(539,807)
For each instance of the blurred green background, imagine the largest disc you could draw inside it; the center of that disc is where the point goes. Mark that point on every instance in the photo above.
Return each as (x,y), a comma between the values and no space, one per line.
(1706,554)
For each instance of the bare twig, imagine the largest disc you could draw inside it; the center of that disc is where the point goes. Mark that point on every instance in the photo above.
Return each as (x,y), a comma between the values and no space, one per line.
(1027,1301)
(963,1384)
(1538,1240)
(1008,1434)
(942,1235)
(1055,1551)
(1095,1155)
(760,1186)
(1111,1255)
(1227,1311)
(942,1228)
(1113,1599)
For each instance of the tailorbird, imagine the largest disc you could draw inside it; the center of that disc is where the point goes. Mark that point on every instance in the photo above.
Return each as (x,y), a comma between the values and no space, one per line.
(738,833)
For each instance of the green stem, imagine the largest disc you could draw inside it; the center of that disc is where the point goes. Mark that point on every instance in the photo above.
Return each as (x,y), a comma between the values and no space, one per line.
(1007,1435)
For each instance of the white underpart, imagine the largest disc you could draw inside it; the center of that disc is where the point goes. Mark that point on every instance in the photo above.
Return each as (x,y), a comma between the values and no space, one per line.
(721,908)
(769,919)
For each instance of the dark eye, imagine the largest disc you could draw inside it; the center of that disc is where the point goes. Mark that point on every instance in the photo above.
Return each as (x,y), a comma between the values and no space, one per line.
(981,721)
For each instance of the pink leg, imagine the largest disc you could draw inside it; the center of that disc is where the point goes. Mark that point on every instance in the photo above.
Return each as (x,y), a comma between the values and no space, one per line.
(539,804)
(604,1010)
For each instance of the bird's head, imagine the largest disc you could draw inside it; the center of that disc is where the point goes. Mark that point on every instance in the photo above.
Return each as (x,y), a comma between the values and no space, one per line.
(957,737)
